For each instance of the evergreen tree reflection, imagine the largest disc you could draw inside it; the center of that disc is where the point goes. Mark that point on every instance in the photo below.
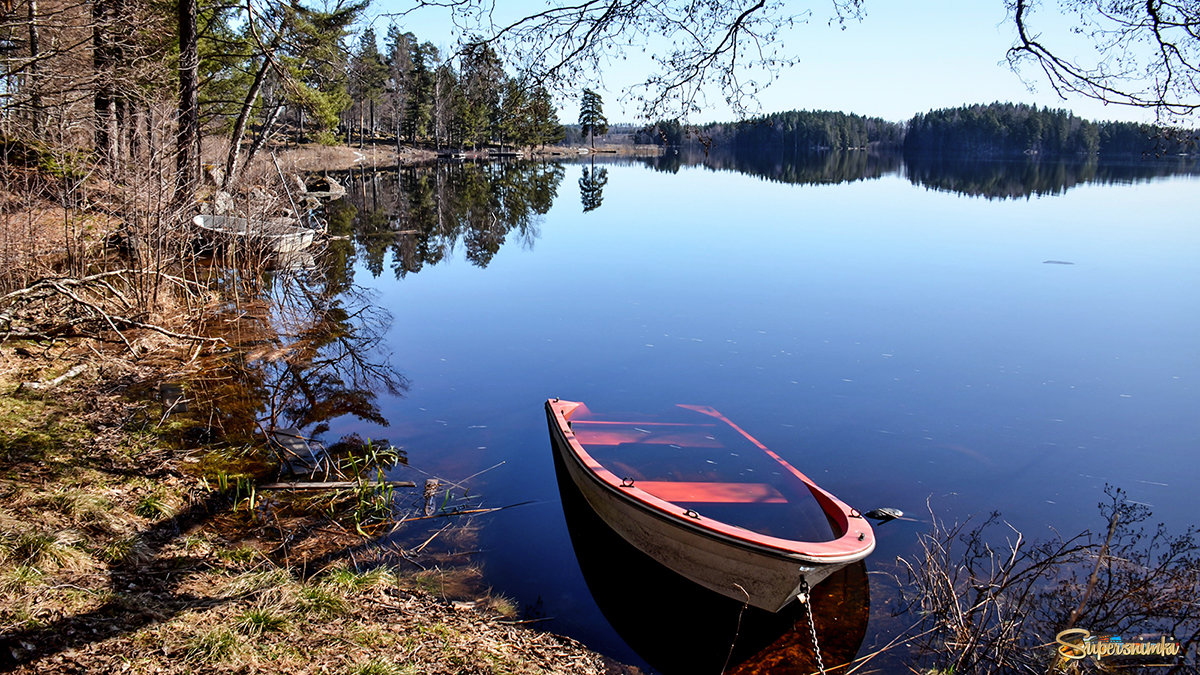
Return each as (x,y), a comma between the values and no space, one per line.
(988,178)
(591,187)
(419,214)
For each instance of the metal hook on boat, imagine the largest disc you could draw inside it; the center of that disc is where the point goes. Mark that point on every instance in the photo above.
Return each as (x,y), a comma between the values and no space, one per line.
(691,514)
(627,482)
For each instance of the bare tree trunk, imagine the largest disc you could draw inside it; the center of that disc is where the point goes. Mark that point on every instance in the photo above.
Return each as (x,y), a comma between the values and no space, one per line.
(437,110)
(137,135)
(232,165)
(35,96)
(124,132)
(374,189)
(267,127)
(187,136)
(104,63)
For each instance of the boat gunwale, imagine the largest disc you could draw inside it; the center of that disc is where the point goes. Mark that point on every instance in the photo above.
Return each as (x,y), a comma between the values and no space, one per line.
(291,230)
(849,546)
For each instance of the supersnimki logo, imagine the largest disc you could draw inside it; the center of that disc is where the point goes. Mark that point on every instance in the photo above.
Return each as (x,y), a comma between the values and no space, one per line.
(1078,643)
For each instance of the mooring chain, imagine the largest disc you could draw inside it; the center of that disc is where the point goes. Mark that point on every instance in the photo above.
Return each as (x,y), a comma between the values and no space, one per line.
(805,598)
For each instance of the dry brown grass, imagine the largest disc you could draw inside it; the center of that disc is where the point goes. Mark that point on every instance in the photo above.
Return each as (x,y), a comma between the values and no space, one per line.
(315,157)
(32,243)
(92,582)
(988,600)
(115,554)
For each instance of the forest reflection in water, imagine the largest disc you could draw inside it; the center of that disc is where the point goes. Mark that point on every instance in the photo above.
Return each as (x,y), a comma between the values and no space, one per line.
(408,218)
(421,214)
(992,179)
(414,216)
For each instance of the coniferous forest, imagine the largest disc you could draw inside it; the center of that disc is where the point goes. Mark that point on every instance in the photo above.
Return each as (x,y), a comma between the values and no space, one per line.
(120,80)
(996,130)
(1008,130)
(796,131)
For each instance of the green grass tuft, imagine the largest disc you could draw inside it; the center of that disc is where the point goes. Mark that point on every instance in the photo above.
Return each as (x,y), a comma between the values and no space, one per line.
(81,507)
(154,506)
(214,646)
(42,549)
(378,666)
(259,620)
(355,580)
(502,605)
(242,555)
(123,550)
(318,601)
(17,579)
(271,578)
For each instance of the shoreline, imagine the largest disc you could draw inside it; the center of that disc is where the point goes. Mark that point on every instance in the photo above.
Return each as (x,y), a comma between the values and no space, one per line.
(132,536)
(316,158)
(116,553)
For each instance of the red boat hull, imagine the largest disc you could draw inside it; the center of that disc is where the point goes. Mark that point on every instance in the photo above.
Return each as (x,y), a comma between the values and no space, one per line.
(763,570)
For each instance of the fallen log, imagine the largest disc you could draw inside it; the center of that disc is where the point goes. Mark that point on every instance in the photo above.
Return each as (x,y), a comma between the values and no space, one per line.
(75,371)
(333,485)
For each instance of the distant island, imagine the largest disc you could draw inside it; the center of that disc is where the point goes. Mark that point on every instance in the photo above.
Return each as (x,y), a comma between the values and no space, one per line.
(996,130)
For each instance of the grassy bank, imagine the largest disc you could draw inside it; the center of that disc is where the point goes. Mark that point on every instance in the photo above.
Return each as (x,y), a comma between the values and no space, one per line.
(117,554)
(132,536)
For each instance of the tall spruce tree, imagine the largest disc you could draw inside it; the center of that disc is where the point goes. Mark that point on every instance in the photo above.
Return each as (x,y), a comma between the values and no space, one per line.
(368,80)
(418,107)
(482,81)
(546,127)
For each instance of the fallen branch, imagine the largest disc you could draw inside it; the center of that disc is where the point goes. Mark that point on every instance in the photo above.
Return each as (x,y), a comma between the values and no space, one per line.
(75,371)
(464,512)
(65,287)
(82,281)
(332,485)
(168,333)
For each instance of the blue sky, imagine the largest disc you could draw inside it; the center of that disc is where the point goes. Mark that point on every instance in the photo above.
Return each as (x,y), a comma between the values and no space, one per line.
(900,59)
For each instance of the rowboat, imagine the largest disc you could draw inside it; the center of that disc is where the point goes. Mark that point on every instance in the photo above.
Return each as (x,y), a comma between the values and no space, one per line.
(677,626)
(707,500)
(278,235)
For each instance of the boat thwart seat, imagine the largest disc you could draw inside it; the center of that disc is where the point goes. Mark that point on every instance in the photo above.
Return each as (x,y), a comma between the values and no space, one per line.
(710,492)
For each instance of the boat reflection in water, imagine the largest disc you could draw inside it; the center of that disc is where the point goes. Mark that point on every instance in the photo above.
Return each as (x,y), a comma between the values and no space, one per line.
(678,626)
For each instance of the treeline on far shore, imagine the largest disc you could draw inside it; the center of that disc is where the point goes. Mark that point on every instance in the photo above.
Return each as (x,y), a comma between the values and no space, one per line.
(996,130)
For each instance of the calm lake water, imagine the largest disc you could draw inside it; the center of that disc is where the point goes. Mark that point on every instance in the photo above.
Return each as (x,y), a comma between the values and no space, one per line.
(902,334)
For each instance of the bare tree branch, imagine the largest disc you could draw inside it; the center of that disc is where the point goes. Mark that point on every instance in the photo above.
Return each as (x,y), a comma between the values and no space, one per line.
(1143,54)
(733,44)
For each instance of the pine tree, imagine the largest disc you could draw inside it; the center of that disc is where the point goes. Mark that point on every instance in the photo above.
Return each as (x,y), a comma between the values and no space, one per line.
(591,187)
(591,116)
(516,125)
